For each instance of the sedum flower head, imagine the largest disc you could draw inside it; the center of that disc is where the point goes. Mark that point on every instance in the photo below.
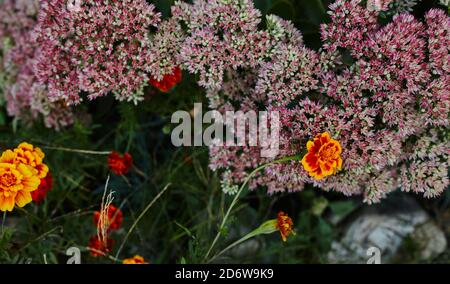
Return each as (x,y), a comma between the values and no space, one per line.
(221,35)
(100,47)
(26,98)
(393,91)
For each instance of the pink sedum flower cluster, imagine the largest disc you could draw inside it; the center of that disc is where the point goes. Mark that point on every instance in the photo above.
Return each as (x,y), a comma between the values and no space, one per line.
(26,98)
(382,91)
(389,104)
(99,47)
(224,35)
(393,6)
(165,49)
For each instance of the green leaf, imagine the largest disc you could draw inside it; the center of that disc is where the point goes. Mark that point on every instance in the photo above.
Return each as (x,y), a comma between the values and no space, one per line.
(314,10)
(319,205)
(324,235)
(342,208)
(2,118)
(284,9)
(5,238)
(263,5)
(183,260)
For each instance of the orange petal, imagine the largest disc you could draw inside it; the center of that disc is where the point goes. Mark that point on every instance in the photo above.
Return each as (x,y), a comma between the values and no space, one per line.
(339,163)
(318,175)
(25,170)
(8,156)
(42,170)
(309,162)
(23,198)
(324,137)
(7,203)
(25,146)
(31,183)
(326,168)
(309,145)
(337,146)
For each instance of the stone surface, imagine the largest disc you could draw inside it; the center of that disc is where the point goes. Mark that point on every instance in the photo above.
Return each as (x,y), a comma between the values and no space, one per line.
(382,226)
(430,240)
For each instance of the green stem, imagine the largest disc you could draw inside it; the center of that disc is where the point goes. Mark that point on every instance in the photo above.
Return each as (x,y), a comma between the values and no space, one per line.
(89,249)
(42,236)
(130,141)
(139,218)
(236,197)
(3,222)
(243,239)
(81,151)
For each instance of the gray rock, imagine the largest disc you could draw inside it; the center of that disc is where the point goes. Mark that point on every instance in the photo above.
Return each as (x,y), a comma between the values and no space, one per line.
(430,239)
(379,227)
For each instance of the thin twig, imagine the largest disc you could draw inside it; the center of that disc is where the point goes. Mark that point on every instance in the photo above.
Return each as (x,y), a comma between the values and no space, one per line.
(139,218)
(101,253)
(81,151)
(78,212)
(42,236)
(139,172)
(103,222)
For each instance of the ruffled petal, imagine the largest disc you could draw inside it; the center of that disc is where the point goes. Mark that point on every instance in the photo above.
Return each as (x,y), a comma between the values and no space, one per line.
(23,198)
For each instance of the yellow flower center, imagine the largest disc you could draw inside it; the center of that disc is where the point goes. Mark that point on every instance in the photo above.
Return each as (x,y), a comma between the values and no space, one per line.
(326,152)
(8,179)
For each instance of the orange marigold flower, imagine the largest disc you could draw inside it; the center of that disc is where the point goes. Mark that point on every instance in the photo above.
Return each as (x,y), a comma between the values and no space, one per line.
(98,247)
(284,225)
(31,156)
(45,186)
(120,165)
(137,259)
(323,157)
(17,181)
(168,81)
(114,219)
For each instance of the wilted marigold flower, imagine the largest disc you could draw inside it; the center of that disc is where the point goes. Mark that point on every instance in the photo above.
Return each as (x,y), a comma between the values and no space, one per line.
(168,81)
(31,156)
(114,219)
(323,157)
(120,165)
(17,181)
(137,259)
(98,247)
(45,186)
(284,225)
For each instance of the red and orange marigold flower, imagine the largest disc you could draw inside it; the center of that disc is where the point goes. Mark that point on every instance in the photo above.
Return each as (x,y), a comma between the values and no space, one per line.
(113,220)
(323,157)
(137,259)
(120,165)
(284,225)
(98,247)
(168,81)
